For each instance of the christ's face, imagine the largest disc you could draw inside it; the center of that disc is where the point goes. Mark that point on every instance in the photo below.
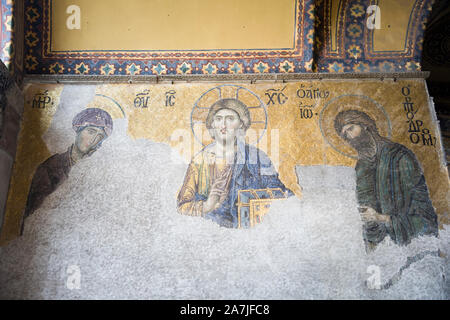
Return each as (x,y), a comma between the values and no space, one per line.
(226,123)
(88,139)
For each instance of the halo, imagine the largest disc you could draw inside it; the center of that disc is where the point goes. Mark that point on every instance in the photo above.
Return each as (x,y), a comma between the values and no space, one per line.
(351,102)
(109,105)
(256,107)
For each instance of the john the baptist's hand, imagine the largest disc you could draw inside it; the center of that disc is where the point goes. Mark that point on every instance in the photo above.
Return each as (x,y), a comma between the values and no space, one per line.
(369,214)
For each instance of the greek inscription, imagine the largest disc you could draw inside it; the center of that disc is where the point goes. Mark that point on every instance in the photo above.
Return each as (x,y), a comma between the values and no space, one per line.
(41,100)
(312,96)
(312,93)
(141,99)
(276,96)
(417,132)
(170,98)
(306,113)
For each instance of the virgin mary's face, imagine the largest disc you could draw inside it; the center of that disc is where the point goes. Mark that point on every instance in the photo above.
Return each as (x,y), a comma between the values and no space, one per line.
(226,123)
(88,139)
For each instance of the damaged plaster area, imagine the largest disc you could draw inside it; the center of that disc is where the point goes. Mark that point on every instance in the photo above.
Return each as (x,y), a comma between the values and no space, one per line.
(112,231)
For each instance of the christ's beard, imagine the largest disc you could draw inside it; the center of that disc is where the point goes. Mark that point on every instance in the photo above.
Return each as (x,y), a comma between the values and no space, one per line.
(226,141)
(365,145)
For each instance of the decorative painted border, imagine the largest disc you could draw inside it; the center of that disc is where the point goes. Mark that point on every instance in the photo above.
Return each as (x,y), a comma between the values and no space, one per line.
(232,78)
(40,60)
(7,45)
(328,51)
(359,55)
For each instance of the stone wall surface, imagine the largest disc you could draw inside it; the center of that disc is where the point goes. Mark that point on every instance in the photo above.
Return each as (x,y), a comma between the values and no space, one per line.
(11,109)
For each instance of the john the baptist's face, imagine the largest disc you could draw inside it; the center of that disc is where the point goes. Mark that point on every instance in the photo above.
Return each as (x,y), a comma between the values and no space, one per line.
(359,138)
(226,124)
(351,131)
(88,139)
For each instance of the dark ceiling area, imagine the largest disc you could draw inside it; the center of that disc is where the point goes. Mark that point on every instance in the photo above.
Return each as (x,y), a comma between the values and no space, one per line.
(436,59)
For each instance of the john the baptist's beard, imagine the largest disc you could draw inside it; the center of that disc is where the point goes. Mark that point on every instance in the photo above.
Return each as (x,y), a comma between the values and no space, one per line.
(364,144)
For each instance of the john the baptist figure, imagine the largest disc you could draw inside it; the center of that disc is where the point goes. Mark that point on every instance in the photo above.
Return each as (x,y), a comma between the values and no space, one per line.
(390,184)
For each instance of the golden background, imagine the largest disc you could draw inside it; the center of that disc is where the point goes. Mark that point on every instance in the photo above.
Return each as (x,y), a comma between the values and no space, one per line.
(395,19)
(175,25)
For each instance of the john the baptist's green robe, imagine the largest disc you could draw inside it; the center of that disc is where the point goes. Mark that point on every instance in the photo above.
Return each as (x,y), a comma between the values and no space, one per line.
(394,185)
